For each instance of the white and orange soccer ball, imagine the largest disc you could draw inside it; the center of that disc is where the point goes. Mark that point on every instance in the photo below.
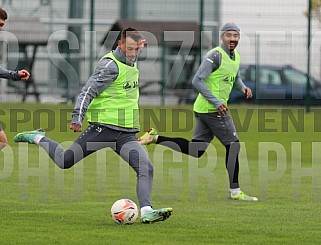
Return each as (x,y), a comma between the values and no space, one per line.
(124,212)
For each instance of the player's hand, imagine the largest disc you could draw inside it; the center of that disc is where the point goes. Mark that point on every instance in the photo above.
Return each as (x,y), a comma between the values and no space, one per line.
(24,75)
(222,110)
(248,93)
(142,44)
(75,127)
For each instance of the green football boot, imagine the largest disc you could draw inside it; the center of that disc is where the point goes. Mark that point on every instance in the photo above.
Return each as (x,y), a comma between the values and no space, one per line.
(243,197)
(150,136)
(156,215)
(28,136)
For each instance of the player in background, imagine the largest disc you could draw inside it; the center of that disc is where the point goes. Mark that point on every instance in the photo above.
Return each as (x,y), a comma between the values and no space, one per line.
(110,99)
(214,80)
(8,74)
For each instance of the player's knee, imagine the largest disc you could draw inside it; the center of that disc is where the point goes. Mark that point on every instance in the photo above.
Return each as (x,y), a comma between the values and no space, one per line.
(69,158)
(68,161)
(144,170)
(66,165)
(198,148)
(199,154)
(150,169)
(234,146)
(196,154)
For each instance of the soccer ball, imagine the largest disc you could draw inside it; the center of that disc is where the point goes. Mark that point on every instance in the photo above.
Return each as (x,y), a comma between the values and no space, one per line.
(124,212)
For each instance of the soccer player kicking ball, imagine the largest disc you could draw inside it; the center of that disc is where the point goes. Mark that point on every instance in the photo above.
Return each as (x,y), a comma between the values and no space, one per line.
(214,81)
(110,98)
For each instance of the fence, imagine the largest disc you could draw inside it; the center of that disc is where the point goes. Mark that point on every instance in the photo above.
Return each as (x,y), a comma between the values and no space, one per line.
(273,32)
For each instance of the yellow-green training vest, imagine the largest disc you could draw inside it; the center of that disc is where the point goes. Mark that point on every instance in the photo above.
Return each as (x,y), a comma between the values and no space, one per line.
(118,103)
(219,82)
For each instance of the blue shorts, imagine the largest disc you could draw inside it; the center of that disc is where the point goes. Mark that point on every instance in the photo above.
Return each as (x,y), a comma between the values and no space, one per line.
(1,129)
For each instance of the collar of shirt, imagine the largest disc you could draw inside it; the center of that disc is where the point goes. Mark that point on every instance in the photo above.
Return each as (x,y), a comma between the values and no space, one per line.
(230,53)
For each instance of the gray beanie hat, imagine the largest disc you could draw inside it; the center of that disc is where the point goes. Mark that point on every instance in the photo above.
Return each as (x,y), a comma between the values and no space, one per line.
(230,26)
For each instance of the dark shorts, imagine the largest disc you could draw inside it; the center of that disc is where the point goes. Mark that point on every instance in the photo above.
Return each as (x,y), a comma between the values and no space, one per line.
(1,129)
(210,125)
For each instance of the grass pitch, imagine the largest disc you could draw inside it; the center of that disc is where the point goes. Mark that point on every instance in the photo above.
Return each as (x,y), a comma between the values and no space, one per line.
(280,164)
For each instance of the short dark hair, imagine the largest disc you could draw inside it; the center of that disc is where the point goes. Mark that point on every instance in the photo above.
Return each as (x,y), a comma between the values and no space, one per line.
(3,14)
(132,33)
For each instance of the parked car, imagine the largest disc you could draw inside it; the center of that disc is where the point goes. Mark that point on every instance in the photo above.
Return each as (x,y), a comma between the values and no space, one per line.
(277,85)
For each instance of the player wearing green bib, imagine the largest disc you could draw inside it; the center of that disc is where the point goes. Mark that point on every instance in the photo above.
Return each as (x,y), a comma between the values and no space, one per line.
(110,98)
(118,104)
(214,80)
(220,82)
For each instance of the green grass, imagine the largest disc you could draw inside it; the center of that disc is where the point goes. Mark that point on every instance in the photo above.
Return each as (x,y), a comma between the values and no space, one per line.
(280,163)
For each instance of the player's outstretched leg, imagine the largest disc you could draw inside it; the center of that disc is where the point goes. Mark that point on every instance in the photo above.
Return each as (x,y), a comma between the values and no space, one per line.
(150,136)
(156,215)
(28,136)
